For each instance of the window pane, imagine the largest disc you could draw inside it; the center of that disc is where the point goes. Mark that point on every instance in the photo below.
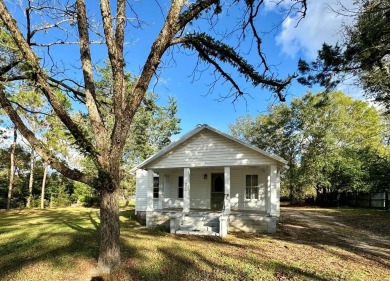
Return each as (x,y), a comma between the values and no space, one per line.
(180,181)
(255,193)
(180,195)
(155,192)
(254,181)
(248,180)
(156,181)
(248,193)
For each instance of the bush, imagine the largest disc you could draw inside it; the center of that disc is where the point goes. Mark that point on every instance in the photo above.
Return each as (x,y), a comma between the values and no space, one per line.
(91,201)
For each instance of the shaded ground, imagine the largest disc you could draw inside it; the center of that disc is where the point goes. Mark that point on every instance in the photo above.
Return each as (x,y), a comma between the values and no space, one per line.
(310,244)
(360,231)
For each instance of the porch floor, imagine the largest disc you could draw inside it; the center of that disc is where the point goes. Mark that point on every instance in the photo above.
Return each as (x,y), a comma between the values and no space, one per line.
(212,211)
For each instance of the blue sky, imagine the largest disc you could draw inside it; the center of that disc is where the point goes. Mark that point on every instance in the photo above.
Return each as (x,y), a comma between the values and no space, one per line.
(283,47)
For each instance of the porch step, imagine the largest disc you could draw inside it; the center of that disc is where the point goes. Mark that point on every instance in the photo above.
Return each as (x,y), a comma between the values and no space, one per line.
(200,223)
(194,232)
(199,227)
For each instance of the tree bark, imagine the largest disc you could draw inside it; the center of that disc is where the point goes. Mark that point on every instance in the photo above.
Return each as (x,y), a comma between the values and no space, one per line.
(109,250)
(43,186)
(31,181)
(12,169)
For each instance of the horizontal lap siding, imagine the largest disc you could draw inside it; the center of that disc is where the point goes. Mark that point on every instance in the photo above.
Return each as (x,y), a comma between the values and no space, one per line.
(141,190)
(238,186)
(171,193)
(208,149)
(200,189)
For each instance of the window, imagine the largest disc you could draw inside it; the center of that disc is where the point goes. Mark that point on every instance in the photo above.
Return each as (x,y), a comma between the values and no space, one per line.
(252,187)
(156,187)
(180,185)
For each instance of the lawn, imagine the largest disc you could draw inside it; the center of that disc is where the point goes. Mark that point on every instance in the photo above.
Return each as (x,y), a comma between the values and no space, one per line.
(310,244)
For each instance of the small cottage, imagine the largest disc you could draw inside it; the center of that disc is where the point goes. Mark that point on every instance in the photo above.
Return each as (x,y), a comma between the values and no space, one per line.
(209,183)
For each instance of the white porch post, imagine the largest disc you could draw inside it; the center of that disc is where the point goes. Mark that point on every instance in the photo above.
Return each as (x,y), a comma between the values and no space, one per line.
(161,190)
(268,192)
(275,191)
(149,195)
(186,191)
(227,190)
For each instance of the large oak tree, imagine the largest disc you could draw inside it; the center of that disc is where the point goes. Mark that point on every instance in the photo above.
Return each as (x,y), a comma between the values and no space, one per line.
(188,26)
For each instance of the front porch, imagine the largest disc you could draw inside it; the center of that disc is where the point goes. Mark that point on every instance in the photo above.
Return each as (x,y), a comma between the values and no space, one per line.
(211,222)
(210,200)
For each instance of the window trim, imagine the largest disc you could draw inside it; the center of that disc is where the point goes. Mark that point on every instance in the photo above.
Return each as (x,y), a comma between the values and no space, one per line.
(156,188)
(180,189)
(252,187)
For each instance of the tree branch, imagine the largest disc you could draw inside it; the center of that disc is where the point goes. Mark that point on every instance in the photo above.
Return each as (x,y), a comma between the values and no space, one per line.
(41,80)
(40,148)
(97,123)
(195,10)
(227,54)
(8,67)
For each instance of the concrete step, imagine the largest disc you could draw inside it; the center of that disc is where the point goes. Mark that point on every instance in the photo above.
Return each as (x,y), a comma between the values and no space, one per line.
(199,219)
(199,228)
(200,222)
(194,224)
(195,232)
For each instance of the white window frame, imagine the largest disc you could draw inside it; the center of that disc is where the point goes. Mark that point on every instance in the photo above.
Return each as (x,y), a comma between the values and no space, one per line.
(156,187)
(252,187)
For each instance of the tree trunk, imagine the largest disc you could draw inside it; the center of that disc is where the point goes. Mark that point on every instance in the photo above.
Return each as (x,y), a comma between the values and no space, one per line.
(109,251)
(12,169)
(31,181)
(43,186)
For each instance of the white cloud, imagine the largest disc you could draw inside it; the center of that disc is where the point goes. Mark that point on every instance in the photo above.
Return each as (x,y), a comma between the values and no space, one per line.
(321,24)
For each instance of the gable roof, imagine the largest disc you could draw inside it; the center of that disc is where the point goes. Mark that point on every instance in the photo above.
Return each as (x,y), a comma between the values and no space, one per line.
(194,132)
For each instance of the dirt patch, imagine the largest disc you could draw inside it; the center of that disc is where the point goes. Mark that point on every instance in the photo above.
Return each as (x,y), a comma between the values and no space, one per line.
(361,231)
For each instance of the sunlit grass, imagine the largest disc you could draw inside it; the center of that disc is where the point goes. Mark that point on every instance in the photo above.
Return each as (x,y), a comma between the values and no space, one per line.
(62,244)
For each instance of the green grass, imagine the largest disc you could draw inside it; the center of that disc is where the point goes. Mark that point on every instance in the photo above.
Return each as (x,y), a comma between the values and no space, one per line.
(62,244)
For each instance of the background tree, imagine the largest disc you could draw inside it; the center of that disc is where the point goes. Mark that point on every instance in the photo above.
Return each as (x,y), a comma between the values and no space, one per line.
(62,21)
(327,139)
(12,167)
(364,54)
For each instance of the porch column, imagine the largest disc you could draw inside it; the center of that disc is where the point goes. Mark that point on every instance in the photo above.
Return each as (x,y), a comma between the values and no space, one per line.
(149,195)
(268,192)
(161,190)
(275,191)
(227,190)
(186,191)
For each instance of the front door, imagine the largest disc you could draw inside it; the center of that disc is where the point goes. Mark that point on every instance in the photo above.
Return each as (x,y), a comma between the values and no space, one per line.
(217,191)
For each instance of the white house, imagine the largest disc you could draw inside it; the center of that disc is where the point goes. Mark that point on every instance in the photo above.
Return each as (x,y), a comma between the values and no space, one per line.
(208,182)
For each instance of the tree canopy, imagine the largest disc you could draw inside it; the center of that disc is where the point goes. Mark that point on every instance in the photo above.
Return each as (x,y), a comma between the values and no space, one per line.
(364,54)
(331,142)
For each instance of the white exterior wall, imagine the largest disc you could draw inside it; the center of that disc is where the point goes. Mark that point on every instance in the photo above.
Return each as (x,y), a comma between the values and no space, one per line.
(200,191)
(238,186)
(171,190)
(209,149)
(141,190)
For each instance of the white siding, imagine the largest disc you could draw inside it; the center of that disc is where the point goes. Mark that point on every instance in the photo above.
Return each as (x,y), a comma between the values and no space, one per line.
(141,190)
(208,149)
(238,186)
(199,192)
(201,188)
(171,193)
